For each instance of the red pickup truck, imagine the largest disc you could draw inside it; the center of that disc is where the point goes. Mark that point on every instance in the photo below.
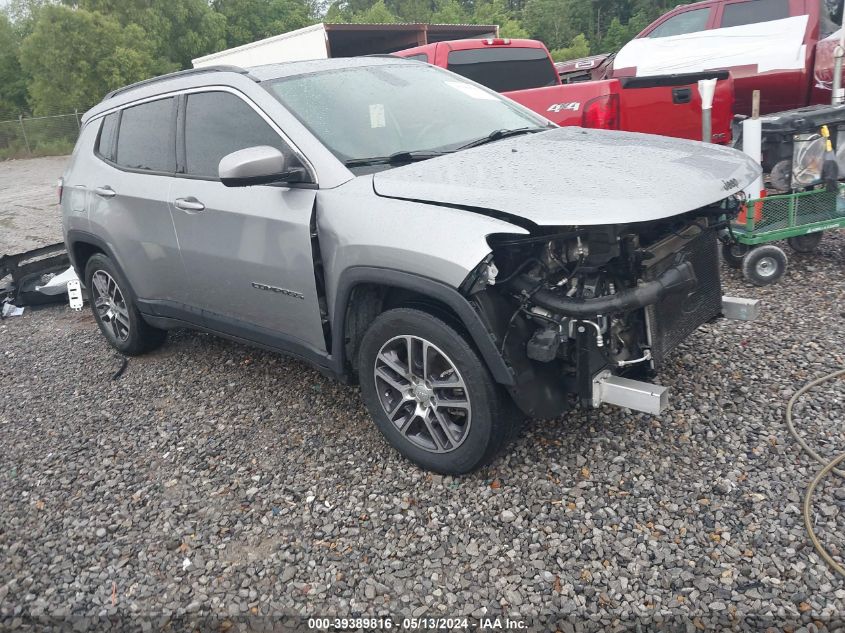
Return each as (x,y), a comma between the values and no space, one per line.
(784,48)
(523,71)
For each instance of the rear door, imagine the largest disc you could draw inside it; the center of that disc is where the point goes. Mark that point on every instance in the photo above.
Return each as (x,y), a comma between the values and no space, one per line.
(247,250)
(128,198)
(765,44)
(780,88)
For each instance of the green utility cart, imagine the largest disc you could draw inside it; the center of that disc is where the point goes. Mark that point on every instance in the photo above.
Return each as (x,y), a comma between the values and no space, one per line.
(799,218)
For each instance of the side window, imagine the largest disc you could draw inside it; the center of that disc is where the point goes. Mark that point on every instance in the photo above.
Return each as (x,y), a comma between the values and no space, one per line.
(219,123)
(419,57)
(146,139)
(683,23)
(108,132)
(740,13)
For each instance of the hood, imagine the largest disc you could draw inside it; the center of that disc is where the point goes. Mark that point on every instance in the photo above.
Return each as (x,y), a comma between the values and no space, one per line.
(573,176)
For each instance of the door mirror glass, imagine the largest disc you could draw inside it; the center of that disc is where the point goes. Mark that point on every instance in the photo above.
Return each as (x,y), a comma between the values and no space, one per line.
(258,165)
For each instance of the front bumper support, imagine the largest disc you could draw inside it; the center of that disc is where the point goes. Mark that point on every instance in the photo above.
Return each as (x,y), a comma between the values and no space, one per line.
(632,394)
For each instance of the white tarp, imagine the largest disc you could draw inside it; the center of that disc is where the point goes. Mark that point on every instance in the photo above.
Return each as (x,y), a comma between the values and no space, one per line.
(774,45)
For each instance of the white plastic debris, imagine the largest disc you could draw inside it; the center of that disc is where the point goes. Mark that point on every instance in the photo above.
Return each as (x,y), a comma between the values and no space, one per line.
(186,563)
(58,284)
(10,310)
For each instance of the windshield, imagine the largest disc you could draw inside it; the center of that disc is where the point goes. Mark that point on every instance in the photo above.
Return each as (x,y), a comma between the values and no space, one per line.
(382,110)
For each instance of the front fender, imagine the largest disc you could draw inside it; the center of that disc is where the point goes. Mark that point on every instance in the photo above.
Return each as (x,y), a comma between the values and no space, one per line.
(481,336)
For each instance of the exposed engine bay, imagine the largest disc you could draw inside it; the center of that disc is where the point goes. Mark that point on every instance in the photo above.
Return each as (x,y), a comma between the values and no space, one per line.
(567,304)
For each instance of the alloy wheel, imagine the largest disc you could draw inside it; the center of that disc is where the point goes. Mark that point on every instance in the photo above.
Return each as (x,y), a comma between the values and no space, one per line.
(423,393)
(110,305)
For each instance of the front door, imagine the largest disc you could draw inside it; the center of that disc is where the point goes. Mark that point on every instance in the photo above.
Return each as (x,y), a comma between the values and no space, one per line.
(246,250)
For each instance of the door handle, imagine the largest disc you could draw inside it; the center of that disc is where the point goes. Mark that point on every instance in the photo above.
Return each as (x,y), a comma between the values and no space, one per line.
(681,95)
(189,204)
(105,192)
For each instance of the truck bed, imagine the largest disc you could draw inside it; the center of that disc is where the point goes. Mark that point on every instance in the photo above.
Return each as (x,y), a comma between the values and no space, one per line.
(669,105)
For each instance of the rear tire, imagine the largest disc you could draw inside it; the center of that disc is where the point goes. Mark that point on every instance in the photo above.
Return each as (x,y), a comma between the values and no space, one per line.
(805,243)
(409,402)
(115,310)
(764,265)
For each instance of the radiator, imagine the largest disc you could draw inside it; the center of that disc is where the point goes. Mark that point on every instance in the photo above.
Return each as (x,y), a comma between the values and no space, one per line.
(676,317)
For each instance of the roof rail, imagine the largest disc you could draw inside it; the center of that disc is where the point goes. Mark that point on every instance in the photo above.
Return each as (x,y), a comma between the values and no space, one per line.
(178,73)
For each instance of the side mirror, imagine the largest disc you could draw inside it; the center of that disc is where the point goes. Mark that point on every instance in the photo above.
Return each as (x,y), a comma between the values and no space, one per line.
(258,165)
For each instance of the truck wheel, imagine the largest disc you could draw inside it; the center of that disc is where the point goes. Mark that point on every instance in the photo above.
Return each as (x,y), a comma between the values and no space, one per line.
(805,243)
(430,394)
(115,311)
(764,265)
(733,253)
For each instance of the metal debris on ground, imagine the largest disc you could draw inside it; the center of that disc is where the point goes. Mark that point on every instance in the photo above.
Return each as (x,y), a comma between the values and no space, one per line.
(120,371)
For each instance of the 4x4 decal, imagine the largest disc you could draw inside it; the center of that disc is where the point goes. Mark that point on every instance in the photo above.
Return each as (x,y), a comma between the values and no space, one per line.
(572,105)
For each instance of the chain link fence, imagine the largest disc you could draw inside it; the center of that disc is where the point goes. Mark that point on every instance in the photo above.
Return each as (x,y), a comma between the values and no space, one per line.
(27,137)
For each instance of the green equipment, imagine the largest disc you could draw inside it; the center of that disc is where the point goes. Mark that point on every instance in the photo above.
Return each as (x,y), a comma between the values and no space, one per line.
(800,218)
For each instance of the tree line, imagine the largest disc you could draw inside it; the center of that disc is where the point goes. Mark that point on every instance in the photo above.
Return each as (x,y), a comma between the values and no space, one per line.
(59,55)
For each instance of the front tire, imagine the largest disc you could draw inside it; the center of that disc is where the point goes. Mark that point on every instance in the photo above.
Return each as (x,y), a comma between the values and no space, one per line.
(116,312)
(430,394)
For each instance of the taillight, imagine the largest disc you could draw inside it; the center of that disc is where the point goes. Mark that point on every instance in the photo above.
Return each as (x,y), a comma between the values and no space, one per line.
(602,113)
(60,185)
(497,41)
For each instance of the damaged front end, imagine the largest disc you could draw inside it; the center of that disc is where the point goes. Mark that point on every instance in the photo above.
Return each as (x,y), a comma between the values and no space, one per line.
(579,312)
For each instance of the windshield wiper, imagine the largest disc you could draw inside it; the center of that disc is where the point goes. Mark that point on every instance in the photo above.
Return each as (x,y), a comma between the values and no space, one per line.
(396,158)
(497,135)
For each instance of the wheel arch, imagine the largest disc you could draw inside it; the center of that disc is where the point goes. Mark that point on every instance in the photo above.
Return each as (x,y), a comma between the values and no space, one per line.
(365,292)
(81,246)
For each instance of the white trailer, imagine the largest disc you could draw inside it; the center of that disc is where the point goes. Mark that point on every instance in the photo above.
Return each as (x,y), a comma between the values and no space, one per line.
(321,41)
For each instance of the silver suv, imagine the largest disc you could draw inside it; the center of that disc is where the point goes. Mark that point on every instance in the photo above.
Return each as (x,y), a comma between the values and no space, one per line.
(401,227)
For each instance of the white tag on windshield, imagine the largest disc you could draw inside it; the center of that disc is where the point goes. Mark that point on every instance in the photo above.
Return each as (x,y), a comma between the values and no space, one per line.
(471,91)
(377,118)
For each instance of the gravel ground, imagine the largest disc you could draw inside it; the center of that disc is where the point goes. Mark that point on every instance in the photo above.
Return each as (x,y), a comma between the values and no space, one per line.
(212,478)
(28,214)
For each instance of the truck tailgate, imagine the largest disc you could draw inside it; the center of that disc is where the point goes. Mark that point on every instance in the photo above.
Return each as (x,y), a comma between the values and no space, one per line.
(564,105)
(671,105)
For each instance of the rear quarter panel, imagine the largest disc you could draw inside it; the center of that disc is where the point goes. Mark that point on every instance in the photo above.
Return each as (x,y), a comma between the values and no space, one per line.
(74,205)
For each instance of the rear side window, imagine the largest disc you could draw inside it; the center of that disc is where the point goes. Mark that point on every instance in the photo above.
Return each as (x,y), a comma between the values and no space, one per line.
(683,23)
(419,57)
(108,133)
(753,12)
(504,68)
(146,139)
(219,123)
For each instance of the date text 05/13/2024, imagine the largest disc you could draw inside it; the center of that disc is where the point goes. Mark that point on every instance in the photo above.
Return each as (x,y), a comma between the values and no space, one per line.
(417,624)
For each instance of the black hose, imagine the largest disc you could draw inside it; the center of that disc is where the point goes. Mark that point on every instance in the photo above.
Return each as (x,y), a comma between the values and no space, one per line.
(678,278)
(520,269)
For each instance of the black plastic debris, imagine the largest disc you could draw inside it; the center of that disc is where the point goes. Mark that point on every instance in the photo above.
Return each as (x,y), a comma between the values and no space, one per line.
(20,274)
